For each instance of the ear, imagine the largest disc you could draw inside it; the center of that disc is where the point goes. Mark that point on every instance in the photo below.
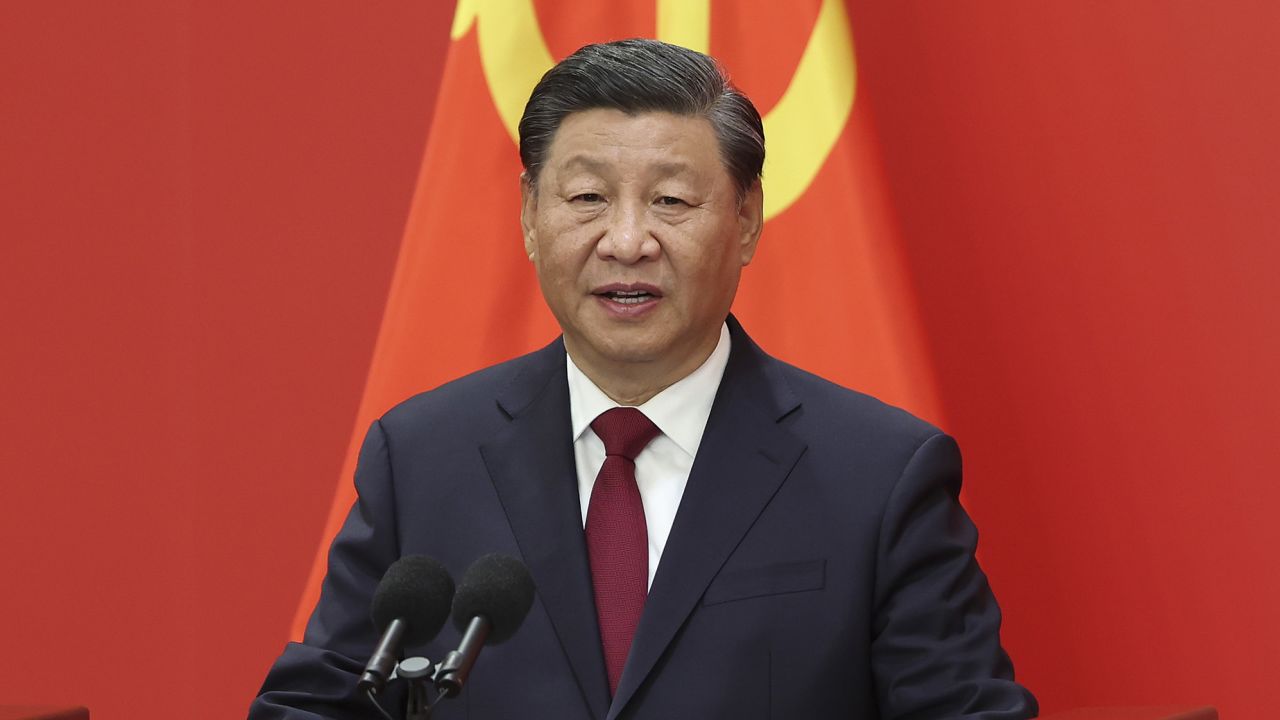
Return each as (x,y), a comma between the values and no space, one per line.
(750,221)
(528,211)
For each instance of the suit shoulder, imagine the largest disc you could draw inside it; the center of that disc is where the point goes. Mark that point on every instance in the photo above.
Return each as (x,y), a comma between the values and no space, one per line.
(858,440)
(825,401)
(470,398)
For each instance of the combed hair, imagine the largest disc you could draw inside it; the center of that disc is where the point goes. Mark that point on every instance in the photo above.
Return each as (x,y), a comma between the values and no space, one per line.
(637,76)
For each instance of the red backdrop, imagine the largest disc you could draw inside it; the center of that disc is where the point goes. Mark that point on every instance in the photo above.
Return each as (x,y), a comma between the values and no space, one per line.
(200,205)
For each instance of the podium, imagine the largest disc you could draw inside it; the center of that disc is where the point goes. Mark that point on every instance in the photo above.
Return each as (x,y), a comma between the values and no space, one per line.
(13,712)
(1104,713)
(1136,713)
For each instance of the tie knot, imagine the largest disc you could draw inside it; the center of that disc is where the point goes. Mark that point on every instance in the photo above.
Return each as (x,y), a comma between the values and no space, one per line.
(624,431)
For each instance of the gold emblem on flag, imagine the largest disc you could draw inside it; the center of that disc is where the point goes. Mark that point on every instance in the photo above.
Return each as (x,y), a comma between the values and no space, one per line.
(802,127)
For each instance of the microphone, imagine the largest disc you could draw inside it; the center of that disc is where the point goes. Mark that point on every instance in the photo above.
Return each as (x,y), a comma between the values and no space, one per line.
(492,600)
(409,608)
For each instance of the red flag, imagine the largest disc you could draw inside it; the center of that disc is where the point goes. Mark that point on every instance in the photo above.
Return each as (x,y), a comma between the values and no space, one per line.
(827,289)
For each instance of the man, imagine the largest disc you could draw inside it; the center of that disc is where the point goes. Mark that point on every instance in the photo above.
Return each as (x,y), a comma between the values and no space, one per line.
(712,533)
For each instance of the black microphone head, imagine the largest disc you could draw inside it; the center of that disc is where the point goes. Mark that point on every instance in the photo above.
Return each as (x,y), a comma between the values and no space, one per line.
(499,588)
(418,590)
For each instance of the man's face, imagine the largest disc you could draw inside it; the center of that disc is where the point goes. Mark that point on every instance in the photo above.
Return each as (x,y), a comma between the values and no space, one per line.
(638,238)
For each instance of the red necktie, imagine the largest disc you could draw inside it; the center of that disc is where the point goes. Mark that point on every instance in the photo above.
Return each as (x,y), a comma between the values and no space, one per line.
(617,536)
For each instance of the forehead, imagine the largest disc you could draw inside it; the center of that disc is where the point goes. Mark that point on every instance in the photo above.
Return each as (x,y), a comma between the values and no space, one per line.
(606,139)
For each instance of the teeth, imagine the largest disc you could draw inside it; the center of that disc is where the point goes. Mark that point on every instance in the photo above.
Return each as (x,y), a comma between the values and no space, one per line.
(631,297)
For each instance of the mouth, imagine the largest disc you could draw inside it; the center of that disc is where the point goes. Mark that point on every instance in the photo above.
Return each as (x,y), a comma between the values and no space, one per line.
(628,296)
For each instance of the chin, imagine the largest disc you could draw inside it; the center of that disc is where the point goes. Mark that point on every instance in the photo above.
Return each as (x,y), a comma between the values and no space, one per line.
(624,347)
(623,352)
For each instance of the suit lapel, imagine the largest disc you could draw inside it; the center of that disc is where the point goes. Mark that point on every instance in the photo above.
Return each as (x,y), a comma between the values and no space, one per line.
(743,460)
(532,467)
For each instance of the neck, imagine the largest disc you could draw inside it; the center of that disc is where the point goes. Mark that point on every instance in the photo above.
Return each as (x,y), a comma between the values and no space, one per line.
(635,383)
(629,394)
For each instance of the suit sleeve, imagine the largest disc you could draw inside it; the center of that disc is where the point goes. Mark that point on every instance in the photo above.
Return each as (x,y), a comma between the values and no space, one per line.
(936,636)
(317,678)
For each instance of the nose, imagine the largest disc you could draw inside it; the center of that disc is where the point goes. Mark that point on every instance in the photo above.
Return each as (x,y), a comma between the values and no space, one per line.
(626,237)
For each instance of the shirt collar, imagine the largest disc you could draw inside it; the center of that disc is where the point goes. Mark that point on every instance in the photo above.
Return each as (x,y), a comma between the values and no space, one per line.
(680,411)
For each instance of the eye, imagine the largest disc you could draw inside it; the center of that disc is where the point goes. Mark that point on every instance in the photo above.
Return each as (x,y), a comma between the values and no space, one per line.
(668,200)
(587,197)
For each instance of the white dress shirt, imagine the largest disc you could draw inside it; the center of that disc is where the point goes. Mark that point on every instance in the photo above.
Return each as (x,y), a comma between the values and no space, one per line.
(662,468)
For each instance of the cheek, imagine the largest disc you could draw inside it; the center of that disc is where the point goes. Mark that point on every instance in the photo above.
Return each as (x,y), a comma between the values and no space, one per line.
(557,229)
(713,277)
(560,261)
(709,259)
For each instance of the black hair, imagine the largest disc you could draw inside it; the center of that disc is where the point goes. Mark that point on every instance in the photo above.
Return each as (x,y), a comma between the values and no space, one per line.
(638,76)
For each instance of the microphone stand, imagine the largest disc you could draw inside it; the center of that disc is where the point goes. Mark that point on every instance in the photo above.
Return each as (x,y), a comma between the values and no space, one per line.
(419,672)
(447,677)
(456,668)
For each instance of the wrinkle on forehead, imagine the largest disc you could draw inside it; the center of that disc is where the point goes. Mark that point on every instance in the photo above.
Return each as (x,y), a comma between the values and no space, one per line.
(599,165)
(652,145)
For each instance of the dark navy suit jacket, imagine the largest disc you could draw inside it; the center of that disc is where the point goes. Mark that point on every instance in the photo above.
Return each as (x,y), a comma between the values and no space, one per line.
(820,565)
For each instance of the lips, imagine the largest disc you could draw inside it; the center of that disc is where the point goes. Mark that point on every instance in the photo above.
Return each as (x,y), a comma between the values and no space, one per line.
(628,293)
(628,298)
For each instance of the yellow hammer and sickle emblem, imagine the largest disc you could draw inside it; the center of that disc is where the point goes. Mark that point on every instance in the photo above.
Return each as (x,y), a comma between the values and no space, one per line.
(801,129)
